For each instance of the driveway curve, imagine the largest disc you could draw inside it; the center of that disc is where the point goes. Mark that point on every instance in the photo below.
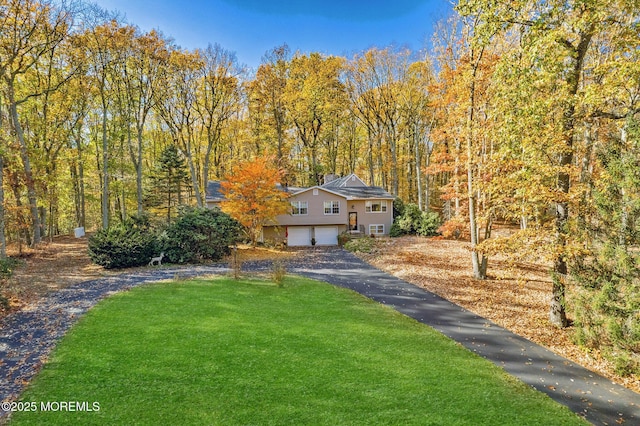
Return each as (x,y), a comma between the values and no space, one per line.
(28,336)
(596,398)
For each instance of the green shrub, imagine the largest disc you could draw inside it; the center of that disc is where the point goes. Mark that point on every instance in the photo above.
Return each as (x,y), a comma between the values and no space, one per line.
(131,243)
(410,219)
(344,238)
(624,365)
(406,224)
(361,245)
(398,207)
(396,230)
(416,222)
(606,318)
(7,266)
(200,234)
(429,224)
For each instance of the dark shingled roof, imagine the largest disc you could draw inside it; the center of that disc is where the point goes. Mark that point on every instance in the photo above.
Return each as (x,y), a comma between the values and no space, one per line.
(337,186)
(290,189)
(342,186)
(372,192)
(336,183)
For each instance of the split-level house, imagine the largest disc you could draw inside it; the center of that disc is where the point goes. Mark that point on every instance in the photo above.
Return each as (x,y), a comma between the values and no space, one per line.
(322,212)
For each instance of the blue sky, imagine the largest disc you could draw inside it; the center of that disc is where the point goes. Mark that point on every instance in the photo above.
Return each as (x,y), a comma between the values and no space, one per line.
(252,27)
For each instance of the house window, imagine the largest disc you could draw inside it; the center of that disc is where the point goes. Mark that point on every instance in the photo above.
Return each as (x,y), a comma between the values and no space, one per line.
(299,208)
(376,206)
(376,229)
(332,207)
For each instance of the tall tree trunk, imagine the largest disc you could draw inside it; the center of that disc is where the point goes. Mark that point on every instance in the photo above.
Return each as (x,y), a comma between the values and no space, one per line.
(73,170)
(479,269)
(3,238)
(381,169)
(370,157)
(213,142)
(138,165)
(418,163)
(14,182)
(427,178)
(557,311)
(194,178)
(393,145)
(280,136)
(82,213)
(105,167)
(624,201)
(3,144)
(26,162)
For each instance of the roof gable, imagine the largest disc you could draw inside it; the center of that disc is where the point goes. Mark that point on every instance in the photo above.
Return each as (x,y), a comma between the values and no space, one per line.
(320,188)
(346,182)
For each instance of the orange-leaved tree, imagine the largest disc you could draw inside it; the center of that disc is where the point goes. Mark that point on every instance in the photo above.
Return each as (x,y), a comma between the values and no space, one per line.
(253,196)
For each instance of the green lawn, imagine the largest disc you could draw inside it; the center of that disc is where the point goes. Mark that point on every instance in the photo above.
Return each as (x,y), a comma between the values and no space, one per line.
(252,353)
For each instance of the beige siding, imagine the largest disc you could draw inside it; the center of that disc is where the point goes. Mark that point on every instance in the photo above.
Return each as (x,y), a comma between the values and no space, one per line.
(370,218)
(315,215)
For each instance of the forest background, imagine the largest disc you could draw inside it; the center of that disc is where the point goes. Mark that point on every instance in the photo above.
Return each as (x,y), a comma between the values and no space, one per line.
(523,112)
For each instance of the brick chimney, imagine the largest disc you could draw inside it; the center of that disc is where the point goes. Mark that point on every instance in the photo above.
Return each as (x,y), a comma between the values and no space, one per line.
(330,178)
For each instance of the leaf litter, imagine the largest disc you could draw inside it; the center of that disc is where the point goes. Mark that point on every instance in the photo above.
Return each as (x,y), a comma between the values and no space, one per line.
(515,296)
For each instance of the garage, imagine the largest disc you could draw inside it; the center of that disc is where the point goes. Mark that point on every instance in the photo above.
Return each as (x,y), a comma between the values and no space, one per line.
(327,235)
(298,236)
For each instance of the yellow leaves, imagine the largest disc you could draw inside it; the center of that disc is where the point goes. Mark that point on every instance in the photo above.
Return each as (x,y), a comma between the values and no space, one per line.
(313,89)
(186,60)
(534,244)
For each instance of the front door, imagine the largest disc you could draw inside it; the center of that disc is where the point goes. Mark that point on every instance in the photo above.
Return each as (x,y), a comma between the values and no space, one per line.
(353,221)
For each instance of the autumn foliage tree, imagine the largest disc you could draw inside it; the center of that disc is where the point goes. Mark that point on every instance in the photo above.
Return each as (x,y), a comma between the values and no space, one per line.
(253,196)
(551,118)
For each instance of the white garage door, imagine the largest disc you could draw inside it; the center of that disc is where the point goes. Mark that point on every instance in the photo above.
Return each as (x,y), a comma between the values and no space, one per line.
(298,236)
(327,235)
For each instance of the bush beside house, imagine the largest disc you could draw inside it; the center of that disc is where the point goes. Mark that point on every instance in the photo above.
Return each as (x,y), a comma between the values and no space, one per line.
(198,234)
(411,220)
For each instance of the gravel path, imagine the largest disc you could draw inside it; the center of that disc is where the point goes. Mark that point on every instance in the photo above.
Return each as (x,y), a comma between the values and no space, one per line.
(27,337)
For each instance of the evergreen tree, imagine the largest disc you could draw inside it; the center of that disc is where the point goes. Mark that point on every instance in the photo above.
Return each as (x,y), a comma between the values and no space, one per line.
(608,309)
(169,180)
